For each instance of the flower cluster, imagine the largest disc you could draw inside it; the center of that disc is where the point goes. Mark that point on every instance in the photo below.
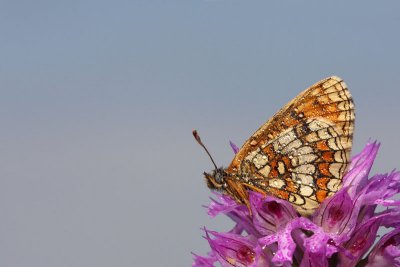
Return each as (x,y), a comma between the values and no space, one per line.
(341,232)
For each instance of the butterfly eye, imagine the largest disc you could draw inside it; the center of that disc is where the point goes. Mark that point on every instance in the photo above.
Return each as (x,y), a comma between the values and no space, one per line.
(214,180)
(218,177)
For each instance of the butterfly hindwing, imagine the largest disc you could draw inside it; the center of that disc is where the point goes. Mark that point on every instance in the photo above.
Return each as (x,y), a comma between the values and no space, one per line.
(302,152)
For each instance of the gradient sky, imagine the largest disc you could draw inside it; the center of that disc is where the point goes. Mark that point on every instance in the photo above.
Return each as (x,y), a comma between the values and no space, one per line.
(98,166)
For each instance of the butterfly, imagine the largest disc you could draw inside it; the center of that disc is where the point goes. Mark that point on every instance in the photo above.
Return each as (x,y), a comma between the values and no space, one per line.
(300,154)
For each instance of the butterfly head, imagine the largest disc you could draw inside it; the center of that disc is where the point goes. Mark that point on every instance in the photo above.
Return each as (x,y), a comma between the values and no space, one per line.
(222,181)
(216,180)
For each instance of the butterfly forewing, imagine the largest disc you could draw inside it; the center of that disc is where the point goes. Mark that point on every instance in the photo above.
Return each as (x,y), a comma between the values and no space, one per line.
(302,152)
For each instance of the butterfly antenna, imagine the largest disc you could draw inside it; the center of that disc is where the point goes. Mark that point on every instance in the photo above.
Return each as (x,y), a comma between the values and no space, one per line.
(197,137)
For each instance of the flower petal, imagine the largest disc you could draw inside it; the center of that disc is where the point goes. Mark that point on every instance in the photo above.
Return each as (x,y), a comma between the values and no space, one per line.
(360,242)
(234,147)
(313,260)
(386,252)
(270,213)
(224,205)
(233,250)
(359,168)
(237,212)
(334,215)
(316,244)
(200,261)
(380,188)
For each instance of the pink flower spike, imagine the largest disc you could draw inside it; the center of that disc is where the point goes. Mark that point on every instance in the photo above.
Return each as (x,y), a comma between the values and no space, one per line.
(340,232)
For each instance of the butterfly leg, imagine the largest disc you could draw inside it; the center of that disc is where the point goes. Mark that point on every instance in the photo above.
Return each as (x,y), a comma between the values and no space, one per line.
(255,189)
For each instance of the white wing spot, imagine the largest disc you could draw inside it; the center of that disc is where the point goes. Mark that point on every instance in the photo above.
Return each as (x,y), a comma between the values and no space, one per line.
(281,167)
(334,184)
(335,169)
(304,179)
(306,169)
(306,190)
(266,170)
(277,183)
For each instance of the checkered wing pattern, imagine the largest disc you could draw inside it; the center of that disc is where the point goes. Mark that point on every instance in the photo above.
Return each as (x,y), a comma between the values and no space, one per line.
(302,152)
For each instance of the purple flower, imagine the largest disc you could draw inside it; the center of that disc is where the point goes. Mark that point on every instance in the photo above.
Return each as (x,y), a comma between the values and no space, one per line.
(234,147)
(387,251)
(341,232)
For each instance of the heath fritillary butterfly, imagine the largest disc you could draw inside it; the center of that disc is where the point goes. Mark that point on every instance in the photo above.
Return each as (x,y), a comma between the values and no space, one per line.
(299,155)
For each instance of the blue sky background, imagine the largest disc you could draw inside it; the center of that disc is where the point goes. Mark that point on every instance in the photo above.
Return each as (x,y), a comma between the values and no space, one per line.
(98,166)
